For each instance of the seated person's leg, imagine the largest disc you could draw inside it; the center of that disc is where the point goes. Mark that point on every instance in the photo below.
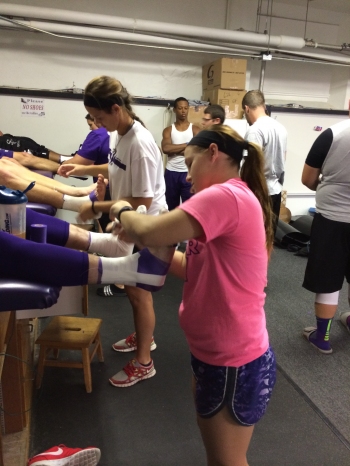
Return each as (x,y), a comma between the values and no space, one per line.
(14,176)
(62,233)
(16,168)
(35,163)
(57,229)
(51,264)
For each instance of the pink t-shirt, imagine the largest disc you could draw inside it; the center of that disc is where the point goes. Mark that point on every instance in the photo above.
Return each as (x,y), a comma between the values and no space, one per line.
(222,311)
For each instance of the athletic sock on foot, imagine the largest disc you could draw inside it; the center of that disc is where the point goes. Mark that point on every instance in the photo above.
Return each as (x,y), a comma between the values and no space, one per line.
(142,269)
(63,158)
(320,337)
(144,365)
(74,202)
(109,245)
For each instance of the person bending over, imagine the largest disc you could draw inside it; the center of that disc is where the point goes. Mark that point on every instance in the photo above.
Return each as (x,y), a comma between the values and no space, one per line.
(228,225)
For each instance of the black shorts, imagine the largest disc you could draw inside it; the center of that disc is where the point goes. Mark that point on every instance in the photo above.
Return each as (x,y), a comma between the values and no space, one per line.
(22,144)
(245,390)
(329,256)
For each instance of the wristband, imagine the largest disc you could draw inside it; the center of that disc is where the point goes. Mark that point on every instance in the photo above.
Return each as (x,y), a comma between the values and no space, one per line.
(124,209)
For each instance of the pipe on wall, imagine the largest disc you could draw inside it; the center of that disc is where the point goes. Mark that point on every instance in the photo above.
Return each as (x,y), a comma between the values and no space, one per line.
(136,25)
(180,41)
(83,31)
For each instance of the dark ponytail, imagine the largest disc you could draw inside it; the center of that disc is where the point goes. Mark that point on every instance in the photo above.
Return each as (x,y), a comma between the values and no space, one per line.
(252,172)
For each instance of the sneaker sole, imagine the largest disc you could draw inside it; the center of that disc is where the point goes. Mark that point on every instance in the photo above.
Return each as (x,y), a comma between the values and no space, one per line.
(130,384)
(89,457)
(133,348)
(306,335)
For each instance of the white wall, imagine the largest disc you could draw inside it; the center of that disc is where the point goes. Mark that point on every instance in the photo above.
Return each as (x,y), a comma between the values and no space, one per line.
(64,127)
(33,60)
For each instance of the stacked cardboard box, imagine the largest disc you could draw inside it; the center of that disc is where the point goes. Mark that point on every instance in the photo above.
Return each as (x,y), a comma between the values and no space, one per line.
(224,83)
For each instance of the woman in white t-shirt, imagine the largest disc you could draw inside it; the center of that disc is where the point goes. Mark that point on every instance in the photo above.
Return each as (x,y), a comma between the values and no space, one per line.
(135,174)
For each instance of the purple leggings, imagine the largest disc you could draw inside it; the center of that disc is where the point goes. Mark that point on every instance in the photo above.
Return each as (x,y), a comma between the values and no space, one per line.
(43,263)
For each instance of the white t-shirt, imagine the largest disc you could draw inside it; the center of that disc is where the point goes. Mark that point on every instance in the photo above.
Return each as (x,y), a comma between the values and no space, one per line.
(271,136)
(135,167)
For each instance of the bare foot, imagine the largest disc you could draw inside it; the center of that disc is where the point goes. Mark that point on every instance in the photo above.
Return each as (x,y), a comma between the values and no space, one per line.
(95,190)
(101,187)
(85,190)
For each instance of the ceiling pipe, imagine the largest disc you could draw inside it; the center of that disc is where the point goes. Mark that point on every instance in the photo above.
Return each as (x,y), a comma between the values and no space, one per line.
(173,43)
(135,25)
(107,34)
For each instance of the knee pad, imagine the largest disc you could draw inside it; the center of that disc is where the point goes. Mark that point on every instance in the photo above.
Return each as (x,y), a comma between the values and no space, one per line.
(327,298)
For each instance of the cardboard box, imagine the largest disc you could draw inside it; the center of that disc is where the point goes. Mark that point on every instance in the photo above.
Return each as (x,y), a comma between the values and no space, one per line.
(230,101)
(195,114)
(225,73)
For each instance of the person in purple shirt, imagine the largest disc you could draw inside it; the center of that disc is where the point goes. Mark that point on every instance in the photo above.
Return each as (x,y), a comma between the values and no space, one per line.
(95,148)
(93,151)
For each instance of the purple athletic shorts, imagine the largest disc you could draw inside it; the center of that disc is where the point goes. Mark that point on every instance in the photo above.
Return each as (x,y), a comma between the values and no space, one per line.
(245,390)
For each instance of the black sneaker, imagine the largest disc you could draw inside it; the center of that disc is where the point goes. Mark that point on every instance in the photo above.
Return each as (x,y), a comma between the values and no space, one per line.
(109,291)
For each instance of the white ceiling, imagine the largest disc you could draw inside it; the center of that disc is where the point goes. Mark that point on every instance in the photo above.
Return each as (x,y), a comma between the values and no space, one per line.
(340,6)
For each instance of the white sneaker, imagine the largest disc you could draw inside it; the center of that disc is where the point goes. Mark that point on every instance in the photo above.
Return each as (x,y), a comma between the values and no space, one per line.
(130,344)
(343,319)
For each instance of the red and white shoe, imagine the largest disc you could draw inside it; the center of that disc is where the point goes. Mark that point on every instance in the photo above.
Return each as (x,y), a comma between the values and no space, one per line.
(64,456)
(132,373)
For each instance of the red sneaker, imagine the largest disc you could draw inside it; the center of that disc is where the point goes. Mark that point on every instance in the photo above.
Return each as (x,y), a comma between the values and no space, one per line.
(132,373)
(64,456)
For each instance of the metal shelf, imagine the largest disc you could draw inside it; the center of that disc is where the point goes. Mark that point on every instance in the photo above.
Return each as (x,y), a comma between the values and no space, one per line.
(64,95)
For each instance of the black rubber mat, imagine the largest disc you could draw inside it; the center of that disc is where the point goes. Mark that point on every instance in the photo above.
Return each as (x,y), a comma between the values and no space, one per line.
(153,423)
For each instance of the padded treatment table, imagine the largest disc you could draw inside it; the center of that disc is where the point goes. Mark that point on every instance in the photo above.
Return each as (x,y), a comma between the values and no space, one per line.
(18,295)
(42,208)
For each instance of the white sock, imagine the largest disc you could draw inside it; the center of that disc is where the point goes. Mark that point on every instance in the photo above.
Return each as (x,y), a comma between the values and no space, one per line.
(63,158)
(74,202)
(109,245)
(142,269)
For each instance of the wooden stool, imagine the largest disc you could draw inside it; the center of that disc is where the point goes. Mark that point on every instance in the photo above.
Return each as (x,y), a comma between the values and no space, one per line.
(70,333)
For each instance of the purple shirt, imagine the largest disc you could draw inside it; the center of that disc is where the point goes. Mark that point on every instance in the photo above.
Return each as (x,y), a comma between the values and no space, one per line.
(96,146)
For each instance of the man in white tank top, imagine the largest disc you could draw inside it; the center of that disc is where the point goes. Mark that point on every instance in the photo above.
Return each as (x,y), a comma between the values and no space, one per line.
(174,142)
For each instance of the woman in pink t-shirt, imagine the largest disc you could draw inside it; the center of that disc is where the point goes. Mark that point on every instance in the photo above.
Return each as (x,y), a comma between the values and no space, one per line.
(224,270)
